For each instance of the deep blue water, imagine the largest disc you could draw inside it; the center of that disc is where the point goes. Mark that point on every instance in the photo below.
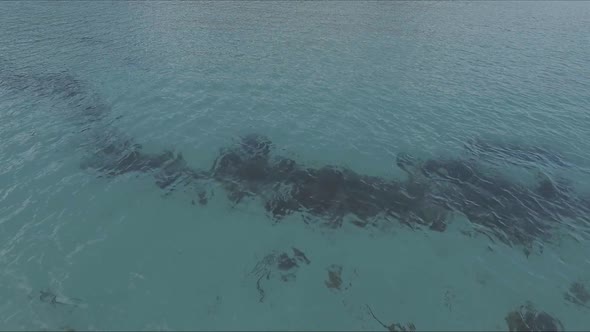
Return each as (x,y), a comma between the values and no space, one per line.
(353,84)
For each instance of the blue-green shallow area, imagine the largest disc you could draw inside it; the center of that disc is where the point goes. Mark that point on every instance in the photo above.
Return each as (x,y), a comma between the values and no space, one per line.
(351,84)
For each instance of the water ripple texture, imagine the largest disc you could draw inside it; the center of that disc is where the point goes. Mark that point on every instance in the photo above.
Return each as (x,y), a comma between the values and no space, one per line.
(419,165)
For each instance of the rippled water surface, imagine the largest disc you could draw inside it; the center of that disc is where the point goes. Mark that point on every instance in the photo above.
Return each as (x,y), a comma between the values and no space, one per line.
(457,136)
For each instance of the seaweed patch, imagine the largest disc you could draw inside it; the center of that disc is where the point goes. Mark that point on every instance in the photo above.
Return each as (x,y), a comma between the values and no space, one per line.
(50,297)
(334,277)
(86,106)
(393,327)
(329,195)
(513,213)
(527,318)
(578,294)
(279,265)
(203,199)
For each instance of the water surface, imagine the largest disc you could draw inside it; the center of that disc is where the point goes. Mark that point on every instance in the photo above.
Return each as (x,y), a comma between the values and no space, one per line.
(351,84)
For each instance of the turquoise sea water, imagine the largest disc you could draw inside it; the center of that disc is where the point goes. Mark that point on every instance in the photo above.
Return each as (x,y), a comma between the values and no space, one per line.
(351,84)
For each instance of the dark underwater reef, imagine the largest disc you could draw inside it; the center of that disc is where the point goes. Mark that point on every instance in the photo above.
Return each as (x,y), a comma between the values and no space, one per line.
(120,157)
(61,86)
(331,195)
(513,213)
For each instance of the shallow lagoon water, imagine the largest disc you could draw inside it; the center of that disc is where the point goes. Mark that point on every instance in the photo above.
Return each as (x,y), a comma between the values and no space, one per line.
(340,83)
